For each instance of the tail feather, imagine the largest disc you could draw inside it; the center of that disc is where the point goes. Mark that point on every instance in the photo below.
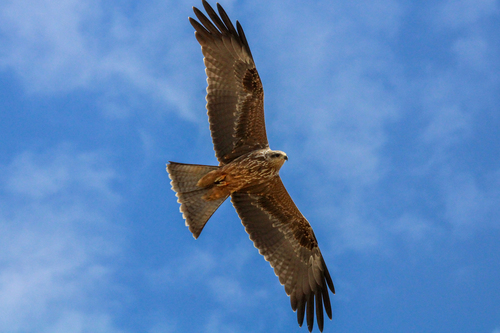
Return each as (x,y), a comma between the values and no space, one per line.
(195,210)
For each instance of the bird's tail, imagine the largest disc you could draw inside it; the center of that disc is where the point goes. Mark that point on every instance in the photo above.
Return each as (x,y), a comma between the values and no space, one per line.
(194,208)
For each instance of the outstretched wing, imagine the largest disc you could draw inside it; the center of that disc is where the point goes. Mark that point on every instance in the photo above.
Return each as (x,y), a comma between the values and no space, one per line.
(285,238)
(235,97)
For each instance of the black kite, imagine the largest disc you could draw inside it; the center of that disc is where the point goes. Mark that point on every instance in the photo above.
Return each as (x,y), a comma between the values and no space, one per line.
(248,170)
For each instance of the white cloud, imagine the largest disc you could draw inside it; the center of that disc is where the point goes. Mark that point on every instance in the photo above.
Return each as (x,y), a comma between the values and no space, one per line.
(72,45)
(358,233)
(76,322)
(340,123)
(45,36)
(40,176)
(193,265)
(217,323)
(227,290)
(216,272)
(415,229)
(55,239)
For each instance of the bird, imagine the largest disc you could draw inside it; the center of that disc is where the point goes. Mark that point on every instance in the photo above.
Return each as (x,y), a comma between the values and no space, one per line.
(248,170)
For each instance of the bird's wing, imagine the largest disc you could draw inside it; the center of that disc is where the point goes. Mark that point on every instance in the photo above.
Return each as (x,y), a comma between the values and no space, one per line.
(235,97)
(285,238)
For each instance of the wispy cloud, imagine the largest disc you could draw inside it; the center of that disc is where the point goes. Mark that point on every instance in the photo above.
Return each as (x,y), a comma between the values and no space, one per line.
(55,241)
(74,45)
(78,322)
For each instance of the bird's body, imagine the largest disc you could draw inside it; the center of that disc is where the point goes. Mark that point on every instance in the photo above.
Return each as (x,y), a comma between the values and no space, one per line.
(248,170)
(244,173)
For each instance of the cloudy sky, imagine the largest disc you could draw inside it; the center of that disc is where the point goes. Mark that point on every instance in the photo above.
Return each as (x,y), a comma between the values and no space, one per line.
(389,113)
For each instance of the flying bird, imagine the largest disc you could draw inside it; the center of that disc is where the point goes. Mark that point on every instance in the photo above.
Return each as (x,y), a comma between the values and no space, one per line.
(248,170)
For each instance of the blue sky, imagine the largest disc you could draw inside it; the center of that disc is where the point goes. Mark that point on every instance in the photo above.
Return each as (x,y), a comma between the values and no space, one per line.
(388,111)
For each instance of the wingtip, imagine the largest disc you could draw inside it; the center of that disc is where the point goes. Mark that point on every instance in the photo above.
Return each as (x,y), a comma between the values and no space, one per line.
(195,236)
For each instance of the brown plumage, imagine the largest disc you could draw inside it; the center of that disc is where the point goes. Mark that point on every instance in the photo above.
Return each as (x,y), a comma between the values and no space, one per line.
(248,170)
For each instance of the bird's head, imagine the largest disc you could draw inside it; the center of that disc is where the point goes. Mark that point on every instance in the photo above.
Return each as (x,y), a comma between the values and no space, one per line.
(276,157)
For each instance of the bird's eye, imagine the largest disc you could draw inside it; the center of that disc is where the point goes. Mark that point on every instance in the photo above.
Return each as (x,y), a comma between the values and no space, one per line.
(276,155)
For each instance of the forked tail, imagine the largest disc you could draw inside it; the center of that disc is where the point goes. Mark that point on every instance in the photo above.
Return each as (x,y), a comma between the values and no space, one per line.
(195,210)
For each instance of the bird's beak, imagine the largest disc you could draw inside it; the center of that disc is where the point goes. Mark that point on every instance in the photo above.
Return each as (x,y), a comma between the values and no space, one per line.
(286,158)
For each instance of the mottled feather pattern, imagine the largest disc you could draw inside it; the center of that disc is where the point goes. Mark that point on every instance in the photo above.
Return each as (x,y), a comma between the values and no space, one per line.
(304,275)
(229,63)
(287,216)
(250,127)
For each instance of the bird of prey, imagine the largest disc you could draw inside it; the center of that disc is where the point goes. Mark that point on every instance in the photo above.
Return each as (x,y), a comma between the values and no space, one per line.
(248,170)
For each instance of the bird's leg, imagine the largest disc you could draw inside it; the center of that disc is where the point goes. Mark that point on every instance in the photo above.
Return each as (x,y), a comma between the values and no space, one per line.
(211,179)
(217,184)
(220,181)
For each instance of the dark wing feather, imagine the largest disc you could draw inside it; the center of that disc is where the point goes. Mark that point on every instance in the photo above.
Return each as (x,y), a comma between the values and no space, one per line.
(235,97)
(285,238)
